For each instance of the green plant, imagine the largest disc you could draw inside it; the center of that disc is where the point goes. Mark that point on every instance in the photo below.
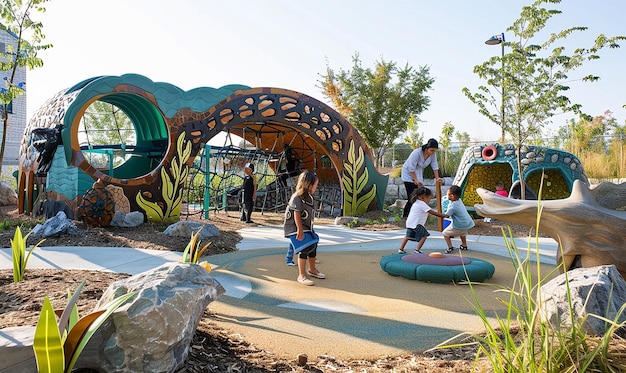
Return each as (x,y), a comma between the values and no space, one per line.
(353,223)
(524,341)
(58,346)
(5,225)
(193,252)
(18,252)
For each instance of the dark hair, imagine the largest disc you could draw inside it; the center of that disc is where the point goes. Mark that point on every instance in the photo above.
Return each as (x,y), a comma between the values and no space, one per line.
(432,143)
(305,180)
(455,190)
(421,191)
(250,166)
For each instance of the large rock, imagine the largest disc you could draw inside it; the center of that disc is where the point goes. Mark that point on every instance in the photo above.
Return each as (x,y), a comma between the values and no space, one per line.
(597,291)
(55,226)
(188,228)
(152,332)
(8,197)
(129,220)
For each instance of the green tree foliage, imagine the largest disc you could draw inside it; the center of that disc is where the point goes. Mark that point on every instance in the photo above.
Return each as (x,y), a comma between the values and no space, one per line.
(463,138)
(445,157)
(413,136)
(533,76)
(378,102)
(17,19)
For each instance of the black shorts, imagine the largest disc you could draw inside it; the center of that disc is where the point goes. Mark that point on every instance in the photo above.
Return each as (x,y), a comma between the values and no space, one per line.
(309,252)
(417,233)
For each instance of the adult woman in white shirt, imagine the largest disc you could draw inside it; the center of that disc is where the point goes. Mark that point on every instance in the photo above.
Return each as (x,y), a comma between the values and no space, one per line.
(413,169)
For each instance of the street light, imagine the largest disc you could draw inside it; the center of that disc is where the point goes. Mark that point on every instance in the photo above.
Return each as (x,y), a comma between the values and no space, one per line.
(495,40)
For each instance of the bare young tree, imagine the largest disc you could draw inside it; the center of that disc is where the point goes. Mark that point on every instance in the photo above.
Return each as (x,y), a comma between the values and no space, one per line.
(533,77)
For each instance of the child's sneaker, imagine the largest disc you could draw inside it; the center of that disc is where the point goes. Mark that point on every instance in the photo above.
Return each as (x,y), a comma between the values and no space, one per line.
(418,251)
(449,250)
(401,251)
(462,247)
(291,264)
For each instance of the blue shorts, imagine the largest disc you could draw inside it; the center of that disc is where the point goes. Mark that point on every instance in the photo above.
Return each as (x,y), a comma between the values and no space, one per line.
(417,233)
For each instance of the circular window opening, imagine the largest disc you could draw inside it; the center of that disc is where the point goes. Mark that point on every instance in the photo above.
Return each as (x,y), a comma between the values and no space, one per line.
(106,136)
(123,135)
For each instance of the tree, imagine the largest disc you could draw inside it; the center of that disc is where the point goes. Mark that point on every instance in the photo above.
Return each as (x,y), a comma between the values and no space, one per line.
(17,21)
(413,136)
(533,77)
(378,102)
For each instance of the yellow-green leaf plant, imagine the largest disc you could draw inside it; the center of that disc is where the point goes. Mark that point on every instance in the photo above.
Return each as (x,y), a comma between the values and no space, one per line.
(355,177)
(193,252)
(170,186)
(20,257)
(57,346)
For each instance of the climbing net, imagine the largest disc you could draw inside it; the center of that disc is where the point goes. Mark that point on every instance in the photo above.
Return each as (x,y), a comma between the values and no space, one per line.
(216,178)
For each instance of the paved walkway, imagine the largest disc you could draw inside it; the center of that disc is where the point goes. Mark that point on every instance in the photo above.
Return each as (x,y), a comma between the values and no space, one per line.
(359,311)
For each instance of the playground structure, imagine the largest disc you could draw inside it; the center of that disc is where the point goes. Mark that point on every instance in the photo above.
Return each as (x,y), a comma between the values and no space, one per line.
(483,165)
(169,159)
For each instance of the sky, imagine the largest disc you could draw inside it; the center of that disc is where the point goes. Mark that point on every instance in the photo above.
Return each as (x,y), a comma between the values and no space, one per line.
(288,44)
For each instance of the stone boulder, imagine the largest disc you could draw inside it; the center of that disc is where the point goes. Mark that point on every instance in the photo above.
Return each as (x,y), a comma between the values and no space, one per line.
(152,332)
(8,197)
(187,228)
(129,220)
(55,226)
(597,291)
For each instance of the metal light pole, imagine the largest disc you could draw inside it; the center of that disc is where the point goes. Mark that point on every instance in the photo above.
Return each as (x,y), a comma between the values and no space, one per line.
(495,40)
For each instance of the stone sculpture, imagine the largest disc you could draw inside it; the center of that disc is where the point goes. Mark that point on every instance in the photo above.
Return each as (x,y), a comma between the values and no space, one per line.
(590,224)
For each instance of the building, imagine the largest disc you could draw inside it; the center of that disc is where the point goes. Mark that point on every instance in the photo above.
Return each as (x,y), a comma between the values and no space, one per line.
(16,110)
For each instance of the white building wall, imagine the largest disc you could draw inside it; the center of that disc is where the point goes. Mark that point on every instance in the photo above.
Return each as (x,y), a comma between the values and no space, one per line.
(17,120)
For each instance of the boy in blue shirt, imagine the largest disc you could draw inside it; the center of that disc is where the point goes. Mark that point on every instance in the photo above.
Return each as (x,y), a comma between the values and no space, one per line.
(461,219)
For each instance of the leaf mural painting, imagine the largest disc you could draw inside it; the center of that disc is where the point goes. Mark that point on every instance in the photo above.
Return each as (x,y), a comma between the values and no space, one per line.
(355,177)
(168,209)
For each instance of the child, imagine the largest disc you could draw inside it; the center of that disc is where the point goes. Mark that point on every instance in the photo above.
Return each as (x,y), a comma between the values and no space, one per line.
(249,193)
(461,219)
(298,220)
(500,189)
(415,231)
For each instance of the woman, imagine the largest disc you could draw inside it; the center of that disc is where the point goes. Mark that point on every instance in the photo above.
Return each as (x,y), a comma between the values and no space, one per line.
(413,169)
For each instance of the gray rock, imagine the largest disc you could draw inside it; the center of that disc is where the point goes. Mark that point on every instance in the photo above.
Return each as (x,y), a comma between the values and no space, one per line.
(131,219)
(597,291)
(152,332)
(56,225)
(188,228)
(8,197)
(50,207)
(343,220)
